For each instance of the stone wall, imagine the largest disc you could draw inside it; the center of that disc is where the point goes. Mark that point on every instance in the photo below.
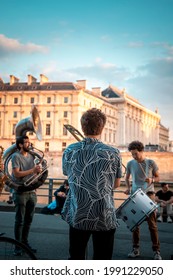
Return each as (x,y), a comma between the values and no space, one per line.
(164,161)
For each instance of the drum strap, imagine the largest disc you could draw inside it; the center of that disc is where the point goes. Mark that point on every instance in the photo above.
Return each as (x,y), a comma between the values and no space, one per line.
(149,186)
(142,169)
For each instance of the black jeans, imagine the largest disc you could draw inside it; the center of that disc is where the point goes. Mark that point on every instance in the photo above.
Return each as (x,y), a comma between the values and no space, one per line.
(103,242)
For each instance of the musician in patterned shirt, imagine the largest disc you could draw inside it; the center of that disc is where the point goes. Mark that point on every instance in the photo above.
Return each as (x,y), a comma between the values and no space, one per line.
(93,170)
(144,173)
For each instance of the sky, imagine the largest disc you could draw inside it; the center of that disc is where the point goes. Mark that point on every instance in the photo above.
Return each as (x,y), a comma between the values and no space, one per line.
(124,43)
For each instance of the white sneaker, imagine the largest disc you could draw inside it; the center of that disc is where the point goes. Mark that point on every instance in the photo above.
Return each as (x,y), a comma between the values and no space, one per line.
(160,219)
(135,253)
(169,220)
(157,256)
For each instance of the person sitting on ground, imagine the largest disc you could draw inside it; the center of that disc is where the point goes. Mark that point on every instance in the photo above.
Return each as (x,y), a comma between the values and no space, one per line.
(61,194)
(165,198)
(56,206)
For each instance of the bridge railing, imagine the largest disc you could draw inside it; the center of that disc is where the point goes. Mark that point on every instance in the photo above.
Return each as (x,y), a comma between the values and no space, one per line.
(45,193)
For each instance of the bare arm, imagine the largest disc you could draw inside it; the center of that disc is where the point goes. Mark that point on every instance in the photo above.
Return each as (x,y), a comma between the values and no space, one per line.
(170,201)
(163,202)
(18,173)
(157,199)
(127,181)
(117,183)
(156,178)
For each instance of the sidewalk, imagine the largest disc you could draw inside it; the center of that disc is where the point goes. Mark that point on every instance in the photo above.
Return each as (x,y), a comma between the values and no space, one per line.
(49,234)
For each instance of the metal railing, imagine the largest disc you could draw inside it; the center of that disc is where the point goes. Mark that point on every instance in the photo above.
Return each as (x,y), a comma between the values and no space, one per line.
(46,192)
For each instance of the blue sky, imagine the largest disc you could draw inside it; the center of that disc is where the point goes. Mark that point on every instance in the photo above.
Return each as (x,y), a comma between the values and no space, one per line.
(126,43)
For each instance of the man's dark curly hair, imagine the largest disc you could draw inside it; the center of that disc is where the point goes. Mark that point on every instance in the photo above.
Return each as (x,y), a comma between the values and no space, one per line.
(93,121)
(136,145)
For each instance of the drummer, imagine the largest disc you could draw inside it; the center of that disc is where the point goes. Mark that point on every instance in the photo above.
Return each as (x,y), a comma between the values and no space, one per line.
(144,173)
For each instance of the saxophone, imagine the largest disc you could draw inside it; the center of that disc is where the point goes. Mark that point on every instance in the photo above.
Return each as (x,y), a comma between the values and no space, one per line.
(3,177)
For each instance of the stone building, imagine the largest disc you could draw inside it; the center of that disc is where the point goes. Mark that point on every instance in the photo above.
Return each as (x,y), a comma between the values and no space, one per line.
(164,137)
(135,121)
(62,103)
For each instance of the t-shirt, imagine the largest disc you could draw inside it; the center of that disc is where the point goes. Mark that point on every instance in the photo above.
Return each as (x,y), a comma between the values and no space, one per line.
(139,172)
(91,167)
(23,163)
(164,195)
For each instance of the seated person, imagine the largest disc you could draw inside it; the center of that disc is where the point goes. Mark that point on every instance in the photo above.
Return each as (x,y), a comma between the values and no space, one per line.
(165,198)
(61,194)
(56,206)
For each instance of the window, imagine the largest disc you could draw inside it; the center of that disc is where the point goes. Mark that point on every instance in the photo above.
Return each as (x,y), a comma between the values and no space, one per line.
(114,138)
(48,114)
(110,137)
(47,129)
(65,99)
(63,146)
(15,100)
(48,99)
(13,128)
(15,114)
(64,131)
(32,100)
(65,114)
(46,146)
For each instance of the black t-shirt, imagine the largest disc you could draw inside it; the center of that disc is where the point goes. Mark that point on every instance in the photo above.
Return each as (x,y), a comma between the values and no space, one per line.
(164,196)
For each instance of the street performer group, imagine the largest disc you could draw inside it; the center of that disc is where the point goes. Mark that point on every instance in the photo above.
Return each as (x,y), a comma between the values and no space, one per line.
(93,170)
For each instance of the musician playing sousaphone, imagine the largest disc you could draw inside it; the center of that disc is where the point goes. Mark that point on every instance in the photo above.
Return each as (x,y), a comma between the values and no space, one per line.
(23,165)
(27,174)
(144,173)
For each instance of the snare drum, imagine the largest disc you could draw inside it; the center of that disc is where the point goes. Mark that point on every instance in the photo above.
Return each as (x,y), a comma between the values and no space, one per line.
(134,210)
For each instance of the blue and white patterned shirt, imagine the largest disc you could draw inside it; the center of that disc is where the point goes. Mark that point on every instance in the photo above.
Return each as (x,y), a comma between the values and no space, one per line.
(92,168)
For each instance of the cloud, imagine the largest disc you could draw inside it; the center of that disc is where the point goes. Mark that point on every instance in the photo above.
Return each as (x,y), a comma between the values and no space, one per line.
(135,44)
(162,67)
(167,47)
(13,46)
(105,38)
(108,73)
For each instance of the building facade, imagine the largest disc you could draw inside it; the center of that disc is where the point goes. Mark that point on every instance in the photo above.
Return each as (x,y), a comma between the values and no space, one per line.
(62,103)
(134,120)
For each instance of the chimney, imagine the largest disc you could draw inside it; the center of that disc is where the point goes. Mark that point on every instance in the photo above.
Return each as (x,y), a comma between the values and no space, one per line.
(31,80)
(97,90)
(43,79)
(13,80)
(81,83)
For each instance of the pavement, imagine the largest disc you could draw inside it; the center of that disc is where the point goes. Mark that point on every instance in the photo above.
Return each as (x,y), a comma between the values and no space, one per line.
(49,235)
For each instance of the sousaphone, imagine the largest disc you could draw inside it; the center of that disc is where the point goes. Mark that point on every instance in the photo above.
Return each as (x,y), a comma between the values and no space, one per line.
(33,124)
